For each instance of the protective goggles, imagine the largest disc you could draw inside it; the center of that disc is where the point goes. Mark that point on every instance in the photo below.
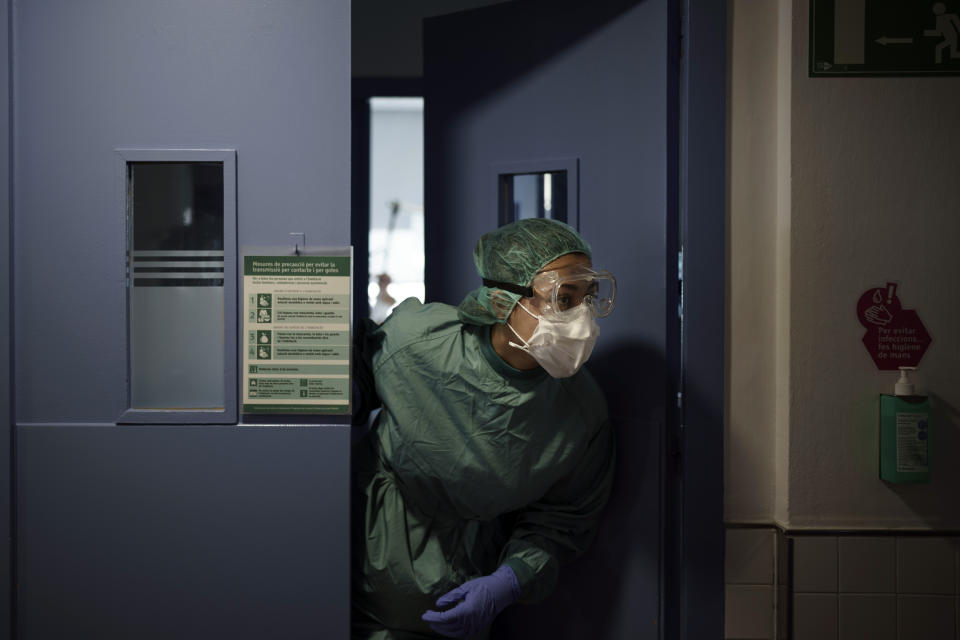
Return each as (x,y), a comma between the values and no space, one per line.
(562,290)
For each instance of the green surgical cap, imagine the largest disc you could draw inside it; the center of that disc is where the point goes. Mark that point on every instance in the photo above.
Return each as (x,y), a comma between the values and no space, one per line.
(514,254)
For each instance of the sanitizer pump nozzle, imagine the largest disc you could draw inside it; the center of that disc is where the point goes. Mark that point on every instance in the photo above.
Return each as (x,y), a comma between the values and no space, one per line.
(904,387)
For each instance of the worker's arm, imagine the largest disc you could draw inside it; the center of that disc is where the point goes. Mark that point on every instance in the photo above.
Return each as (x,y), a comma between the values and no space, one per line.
(562,524)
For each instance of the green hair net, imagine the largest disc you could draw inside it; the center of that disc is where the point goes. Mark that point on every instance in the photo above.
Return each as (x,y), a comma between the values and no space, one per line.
(514,254)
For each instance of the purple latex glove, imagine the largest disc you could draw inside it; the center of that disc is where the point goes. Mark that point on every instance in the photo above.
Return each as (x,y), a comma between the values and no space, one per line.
(480,600)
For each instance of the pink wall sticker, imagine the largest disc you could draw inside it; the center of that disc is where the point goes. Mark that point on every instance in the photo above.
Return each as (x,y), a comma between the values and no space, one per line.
(895,336)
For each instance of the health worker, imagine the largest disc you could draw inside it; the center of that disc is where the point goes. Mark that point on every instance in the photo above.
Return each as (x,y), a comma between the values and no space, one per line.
(492,457)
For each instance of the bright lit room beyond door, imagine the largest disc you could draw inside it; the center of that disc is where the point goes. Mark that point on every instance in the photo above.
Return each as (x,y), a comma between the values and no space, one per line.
(396,203)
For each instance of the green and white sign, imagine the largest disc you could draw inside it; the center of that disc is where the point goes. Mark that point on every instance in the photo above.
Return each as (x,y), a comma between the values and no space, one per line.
(884,37)
(296,334)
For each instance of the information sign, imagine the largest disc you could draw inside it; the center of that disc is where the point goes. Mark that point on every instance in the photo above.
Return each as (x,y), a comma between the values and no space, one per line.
(884,37)
(296,334)
(895,336)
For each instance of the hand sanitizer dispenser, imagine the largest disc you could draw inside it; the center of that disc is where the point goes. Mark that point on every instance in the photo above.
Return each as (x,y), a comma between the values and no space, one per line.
(904,433)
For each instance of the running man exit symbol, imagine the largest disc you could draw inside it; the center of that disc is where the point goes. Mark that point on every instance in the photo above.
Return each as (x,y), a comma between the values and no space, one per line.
(948,28)
(884,37)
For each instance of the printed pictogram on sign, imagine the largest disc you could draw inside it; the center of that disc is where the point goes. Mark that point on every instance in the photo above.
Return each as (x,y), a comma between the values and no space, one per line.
(895,336)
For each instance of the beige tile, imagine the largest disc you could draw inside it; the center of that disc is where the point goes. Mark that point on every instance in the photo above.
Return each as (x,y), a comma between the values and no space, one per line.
(926,565)
(867,564)
(815,564)
(955,542)
(868,616)
(815,616)
(926,617)
(748,612)
(749,556)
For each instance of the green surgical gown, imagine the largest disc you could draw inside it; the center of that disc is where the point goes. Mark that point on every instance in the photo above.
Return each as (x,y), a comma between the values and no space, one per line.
(470,464)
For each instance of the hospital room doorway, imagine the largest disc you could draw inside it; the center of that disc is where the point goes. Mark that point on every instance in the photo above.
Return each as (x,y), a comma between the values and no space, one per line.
(588,113)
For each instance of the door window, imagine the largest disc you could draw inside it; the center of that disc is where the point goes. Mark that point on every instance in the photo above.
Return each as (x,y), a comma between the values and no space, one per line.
(541,188)
(533,195)
(180,282)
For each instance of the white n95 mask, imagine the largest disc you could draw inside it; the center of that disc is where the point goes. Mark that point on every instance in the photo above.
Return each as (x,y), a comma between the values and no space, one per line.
(561,346)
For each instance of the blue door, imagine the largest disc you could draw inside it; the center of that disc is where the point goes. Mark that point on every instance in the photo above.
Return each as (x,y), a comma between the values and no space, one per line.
(152,142)
(568,110)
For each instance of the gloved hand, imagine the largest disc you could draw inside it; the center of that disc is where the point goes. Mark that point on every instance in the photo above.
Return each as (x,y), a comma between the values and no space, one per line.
(480,600)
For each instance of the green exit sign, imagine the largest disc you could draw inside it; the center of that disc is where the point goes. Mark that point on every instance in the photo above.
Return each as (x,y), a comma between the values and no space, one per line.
(884,38)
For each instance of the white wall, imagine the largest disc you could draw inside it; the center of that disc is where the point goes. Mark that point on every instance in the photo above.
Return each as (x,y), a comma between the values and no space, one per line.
(874,198)
(752,225)
(864,191)
(754,281)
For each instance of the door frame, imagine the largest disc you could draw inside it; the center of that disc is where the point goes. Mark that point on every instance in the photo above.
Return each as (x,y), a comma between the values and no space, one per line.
(7,436)
(699,589)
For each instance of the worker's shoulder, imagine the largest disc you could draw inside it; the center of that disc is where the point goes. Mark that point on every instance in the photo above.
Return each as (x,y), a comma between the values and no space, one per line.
(413,322)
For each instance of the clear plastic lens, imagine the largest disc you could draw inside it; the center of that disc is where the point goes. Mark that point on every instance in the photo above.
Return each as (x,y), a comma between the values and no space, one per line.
(562,291)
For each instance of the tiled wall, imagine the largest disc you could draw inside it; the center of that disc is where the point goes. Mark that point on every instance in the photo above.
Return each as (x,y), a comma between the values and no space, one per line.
(756,584)
(841,587)
(876,587)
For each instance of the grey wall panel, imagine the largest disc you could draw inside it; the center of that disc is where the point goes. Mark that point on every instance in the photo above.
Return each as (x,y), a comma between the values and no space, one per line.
(268,78)
(163,531)
(183,532)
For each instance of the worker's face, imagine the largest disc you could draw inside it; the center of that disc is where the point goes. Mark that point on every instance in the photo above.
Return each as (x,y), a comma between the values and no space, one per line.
(568,295)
